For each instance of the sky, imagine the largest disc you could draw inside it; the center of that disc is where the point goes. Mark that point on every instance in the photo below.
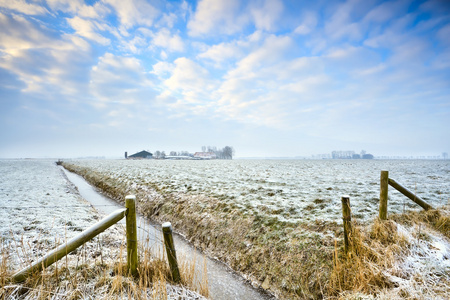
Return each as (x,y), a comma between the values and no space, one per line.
(271,78)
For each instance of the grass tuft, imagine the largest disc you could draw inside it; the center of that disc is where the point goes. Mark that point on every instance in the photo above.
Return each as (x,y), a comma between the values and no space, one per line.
(86,274)
(381,255)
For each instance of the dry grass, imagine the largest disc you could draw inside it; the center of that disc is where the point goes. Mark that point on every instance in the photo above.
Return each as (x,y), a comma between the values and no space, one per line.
(394,259)
(98,273)
(371,253)
(439,219)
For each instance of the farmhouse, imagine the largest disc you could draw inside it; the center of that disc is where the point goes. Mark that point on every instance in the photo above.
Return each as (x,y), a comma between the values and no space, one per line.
(140,155)
(205,155)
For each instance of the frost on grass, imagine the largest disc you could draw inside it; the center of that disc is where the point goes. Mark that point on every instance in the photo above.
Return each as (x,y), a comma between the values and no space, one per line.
(276,221)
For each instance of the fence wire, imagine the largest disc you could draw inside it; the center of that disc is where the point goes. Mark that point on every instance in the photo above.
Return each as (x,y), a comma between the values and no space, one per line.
(56,206)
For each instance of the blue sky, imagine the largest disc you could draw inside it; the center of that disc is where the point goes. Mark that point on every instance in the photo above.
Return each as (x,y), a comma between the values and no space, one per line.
(268,77)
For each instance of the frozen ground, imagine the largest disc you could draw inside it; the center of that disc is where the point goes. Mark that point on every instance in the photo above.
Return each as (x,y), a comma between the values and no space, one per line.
(292,190)
(39,207)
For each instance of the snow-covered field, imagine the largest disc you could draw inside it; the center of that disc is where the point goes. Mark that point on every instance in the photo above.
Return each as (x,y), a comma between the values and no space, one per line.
(292,190)
(39,208)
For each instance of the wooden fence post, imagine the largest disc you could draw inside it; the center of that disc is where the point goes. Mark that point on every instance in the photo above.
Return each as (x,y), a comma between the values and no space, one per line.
(70,245)
(347,220)
(171,253)
(409,194)
(132,258)
(384,184)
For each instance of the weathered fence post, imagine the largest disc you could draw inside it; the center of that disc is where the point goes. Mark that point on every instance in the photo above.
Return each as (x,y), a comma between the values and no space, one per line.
(61,251)
(132,258)
(384,184)
(171,253)
(409,194)
(347,220)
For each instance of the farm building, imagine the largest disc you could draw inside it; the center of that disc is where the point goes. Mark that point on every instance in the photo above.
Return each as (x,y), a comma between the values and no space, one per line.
(141,155)
(205,155)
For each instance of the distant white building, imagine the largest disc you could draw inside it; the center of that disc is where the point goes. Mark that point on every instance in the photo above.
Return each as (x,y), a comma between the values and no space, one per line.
(205,155)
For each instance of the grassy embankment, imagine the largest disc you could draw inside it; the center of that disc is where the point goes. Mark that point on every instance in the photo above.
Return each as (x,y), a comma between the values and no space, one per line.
(291,260)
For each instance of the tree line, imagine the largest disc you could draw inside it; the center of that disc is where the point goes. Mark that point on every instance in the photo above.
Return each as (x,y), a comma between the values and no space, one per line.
(226,152)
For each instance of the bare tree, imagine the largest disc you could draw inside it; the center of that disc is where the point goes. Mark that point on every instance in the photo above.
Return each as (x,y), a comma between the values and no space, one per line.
(228,152)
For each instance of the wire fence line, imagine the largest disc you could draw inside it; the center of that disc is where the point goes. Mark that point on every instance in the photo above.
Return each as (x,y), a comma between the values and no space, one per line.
(56,206)
(151,236)
(156,237)
(60,206)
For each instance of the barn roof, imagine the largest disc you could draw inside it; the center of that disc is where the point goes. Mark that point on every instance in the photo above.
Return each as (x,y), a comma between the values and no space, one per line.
(141,154)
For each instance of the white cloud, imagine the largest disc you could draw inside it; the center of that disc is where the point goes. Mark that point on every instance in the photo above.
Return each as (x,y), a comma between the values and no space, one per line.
(386,11)
(164,39)
(266,13)
(341,52)
(371,70)
(20,34)
(273,49)
(87,29)
(162,68)
(136,45)
(306,84)
(215,16)
(341,25)
(309,23)
(23,7)
(411,52)
(335,63)
(117,79)
(397,33)
(134,12)
(222,52)
(191,80)
(443,34)
(49,65)
(79,8)
(167,20)
(267,86)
